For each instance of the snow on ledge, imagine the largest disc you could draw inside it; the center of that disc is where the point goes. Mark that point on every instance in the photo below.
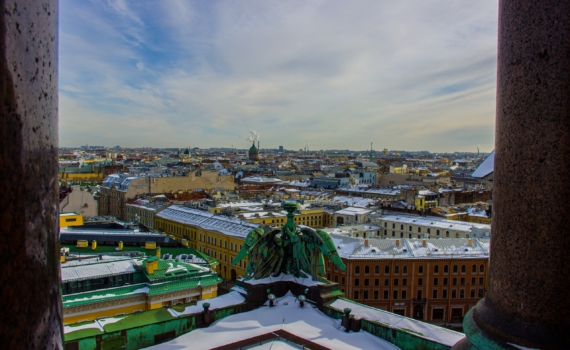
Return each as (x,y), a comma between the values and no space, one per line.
(232,298)
(441,335)
(307,282)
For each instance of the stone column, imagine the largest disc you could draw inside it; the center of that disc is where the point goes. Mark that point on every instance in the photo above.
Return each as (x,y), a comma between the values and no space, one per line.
(31,316)
(527,300)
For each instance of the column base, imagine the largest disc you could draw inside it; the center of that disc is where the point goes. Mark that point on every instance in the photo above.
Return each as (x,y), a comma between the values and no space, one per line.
(486,329)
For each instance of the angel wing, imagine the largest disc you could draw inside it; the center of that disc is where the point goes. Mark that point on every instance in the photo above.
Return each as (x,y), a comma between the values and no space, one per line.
(264,251)
(325,245)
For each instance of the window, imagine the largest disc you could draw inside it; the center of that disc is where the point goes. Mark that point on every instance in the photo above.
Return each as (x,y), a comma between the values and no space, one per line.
(356,296)
(410,228)
(421,269)
(376,294)
(428,231)
(481,268)
(420,281)
(437,232)
(395,294)
(474,268)
(403,294)
(420,294)
(385,224)
(376,282)
(473,281)
(366,269)
(454,281)
(342,280)
(396,269)
(447,234)
(437,314)
(404,281)
(357,269)
(356,282)
(336,278)
(445,269)
(454,293)
(435,281)
(419,229)
(480,292)
(401,227)
(405,269)
(387,270)
(366,282)
(365,296)
(482,280)
(395,281)
(386,282)
(377,269)
(454,268)
(386,294)
(434,294)
(393,225)
(457,312)
(436,269)
(462,293)
(463,268)
(444,294)
(472,293)
(462,281)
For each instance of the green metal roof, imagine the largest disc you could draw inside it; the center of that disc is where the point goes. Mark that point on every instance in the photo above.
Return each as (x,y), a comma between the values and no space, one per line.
(149,252)
(102,295)
(81,333)
(139,319)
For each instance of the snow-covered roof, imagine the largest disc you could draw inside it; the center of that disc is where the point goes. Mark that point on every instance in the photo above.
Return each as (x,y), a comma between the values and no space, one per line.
(425,330)
(354,201)
(434,222)
(207,221)
(94,270)
(308,323)
(486,168)
(261,180)
(380,248)
(353,211)
(380,191)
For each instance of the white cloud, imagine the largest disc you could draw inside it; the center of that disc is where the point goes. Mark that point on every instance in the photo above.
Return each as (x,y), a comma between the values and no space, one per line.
(403,74)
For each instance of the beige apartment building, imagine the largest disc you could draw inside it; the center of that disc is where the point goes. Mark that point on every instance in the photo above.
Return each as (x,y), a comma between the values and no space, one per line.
(117,189)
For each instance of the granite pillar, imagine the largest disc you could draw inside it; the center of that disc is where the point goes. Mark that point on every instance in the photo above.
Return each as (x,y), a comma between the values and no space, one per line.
(527,300)
(31,316)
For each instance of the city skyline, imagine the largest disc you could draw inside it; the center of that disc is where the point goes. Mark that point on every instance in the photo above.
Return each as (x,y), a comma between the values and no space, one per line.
(333,75)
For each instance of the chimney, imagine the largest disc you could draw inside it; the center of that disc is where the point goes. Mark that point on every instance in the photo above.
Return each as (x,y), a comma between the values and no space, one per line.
(397,243)
(94,245)
(206,313)
(366,243)
(470,242)
(424,243)
(158,252)
(151,265)
(120,245)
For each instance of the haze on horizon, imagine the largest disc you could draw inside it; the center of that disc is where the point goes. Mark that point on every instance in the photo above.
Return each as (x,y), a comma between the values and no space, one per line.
(405,75)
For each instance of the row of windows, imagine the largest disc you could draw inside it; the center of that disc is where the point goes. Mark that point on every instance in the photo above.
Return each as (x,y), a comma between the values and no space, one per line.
(403,294)
(396,281)
(420,269)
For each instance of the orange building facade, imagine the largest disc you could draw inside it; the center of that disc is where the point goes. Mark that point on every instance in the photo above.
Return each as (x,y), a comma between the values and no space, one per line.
(436,290)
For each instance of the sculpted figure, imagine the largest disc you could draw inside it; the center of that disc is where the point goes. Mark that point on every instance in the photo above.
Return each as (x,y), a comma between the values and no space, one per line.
(291,250)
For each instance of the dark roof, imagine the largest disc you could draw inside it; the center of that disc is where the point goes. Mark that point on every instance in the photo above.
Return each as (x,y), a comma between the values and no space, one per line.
(114,237)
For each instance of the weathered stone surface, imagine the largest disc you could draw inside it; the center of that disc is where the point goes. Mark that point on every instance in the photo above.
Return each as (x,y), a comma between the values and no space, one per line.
(29,251)
(526,302)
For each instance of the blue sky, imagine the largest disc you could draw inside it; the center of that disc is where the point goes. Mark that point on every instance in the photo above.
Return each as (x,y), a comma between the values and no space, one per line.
(411,75)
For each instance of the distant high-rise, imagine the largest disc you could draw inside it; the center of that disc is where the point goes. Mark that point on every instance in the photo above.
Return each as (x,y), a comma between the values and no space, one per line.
(280,148)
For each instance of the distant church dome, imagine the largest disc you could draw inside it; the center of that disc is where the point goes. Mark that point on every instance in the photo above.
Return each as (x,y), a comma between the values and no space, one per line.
(253,152)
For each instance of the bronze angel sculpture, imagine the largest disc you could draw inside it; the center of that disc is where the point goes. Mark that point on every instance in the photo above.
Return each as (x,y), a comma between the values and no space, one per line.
(291,250)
